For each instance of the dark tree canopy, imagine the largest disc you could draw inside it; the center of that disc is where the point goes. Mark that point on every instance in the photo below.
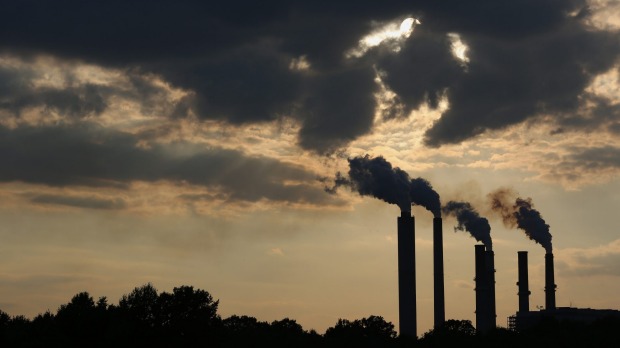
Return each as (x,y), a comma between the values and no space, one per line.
(188,317)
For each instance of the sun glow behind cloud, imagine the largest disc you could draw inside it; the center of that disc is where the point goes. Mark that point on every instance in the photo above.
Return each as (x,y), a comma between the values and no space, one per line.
(459,48)
(605,14)
(607,85)
(392,33)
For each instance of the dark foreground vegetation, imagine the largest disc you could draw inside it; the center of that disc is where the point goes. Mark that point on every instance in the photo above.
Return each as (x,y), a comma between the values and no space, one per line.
(188,317)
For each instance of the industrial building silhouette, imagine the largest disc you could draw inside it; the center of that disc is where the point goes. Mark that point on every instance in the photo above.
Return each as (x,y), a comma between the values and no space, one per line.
(486,316)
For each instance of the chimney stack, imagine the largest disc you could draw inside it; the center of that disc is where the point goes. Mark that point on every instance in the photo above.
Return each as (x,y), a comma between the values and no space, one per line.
(490,272)
(549,282)
(482,293)
(406,275)
(523,283)
(439,298)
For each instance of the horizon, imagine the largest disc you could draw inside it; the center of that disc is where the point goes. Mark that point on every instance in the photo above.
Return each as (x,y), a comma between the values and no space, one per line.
(211,145)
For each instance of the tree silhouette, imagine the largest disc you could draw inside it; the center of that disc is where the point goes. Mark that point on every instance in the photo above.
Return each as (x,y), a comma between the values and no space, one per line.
(366,332)
(288,333)
(137,317)
(44,330)
(141,305)
(188,315)
(17,330)
(244,331)
(79,322)
(5,321)
(452,333)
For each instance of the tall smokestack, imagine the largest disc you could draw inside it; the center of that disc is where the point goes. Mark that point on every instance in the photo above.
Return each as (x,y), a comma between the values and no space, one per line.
(549,282)
(525,217)
(440,304)
(469,220)
(523,283)
(422,193)
(406,275)
(490,272)
(482,294)
(374,176)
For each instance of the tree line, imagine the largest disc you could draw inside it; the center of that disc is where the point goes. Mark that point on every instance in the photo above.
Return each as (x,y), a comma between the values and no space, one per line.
(187,317)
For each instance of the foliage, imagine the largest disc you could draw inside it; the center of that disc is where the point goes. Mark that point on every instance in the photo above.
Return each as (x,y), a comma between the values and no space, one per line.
(187,317)
(452,333)
(371,331)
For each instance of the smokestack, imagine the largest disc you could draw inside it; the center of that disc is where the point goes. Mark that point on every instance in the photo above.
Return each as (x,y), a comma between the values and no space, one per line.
(549,282)
(406,275)
(469,220)
(523,283)
(422,193)
(376,177)
(482,294)
(440,304)
(490,271)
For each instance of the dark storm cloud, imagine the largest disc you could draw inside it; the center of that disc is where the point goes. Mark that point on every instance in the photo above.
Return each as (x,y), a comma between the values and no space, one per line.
(17,93)
(93,156)
(71,97)
(80,202)
(422,70)
(248,84)
(527,57)
(595,158)
(339,108)
(510,81)
(505,19)
(604,115)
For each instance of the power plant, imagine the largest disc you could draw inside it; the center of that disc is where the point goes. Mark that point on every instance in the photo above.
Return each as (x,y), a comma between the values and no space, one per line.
(485,299)
(377,178)
(524,318)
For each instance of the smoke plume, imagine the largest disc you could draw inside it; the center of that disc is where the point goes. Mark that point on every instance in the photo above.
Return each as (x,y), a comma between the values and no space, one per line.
(500,201)
(375,176)
(422,194)
(529,220)
(469,220)
(521,214)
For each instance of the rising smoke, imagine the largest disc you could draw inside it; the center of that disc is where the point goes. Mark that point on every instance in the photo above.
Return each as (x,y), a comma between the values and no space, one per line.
(422,194)
(375,176)
(521,214)
(469,220)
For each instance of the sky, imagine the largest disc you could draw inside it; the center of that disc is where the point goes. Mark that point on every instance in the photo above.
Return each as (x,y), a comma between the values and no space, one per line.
(195,143)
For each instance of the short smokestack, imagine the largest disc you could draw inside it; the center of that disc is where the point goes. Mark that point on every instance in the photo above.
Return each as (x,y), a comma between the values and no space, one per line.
(482,293)
(439,297)
(406,275)
(523,283)
(549,282)
(490,266)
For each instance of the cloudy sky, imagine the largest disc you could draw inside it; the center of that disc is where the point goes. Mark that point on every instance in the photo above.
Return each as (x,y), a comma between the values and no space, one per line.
(190,143)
